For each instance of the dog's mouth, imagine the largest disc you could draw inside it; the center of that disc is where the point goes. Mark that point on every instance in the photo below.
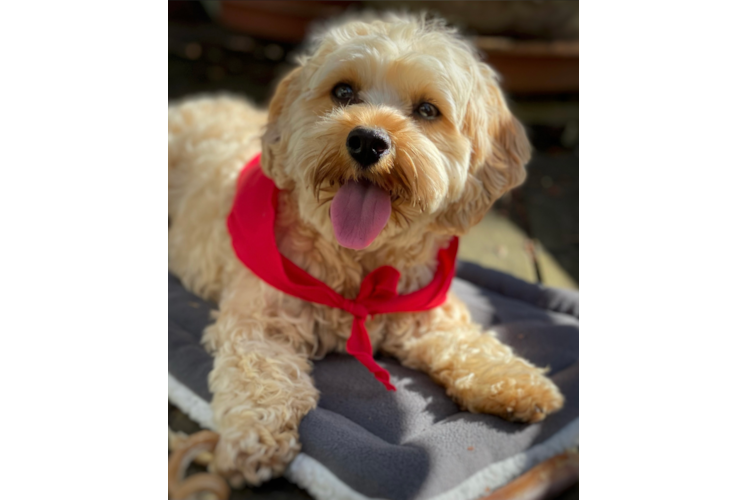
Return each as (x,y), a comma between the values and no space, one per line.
(359,212)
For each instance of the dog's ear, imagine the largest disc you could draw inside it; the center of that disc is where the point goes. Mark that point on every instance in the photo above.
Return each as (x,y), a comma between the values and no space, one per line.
(500,151)
(285,93)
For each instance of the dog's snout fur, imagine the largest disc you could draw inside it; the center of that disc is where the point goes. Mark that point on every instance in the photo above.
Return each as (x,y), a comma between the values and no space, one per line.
(367,145)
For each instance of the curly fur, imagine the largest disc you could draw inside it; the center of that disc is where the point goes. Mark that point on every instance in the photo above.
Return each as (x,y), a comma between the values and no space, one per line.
(442,175)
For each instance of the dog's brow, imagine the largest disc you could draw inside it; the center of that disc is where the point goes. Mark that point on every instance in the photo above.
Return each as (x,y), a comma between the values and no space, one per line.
(383,94)
(341,62)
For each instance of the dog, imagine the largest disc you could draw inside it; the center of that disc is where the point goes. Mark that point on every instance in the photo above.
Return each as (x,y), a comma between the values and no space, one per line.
(402,109)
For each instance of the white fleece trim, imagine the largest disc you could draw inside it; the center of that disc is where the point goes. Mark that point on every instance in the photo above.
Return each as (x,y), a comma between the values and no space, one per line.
(322,484)
(193,405)
(317,479)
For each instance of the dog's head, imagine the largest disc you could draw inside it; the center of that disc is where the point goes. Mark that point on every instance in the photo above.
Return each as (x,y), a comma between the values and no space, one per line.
(389,126)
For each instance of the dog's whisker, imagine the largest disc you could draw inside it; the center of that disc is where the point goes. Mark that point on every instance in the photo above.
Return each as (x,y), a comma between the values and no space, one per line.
(413,169)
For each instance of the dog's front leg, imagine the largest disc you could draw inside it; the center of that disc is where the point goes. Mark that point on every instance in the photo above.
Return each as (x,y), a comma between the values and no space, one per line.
(480,373)
(261,390)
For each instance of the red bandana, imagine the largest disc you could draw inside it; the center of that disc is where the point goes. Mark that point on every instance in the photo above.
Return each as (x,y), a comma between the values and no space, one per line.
(251,225)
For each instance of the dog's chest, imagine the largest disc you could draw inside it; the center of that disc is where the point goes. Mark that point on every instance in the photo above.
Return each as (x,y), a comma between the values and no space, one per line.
(323,329)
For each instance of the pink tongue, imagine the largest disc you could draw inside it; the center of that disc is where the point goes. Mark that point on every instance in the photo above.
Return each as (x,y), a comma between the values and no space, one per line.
(359,212)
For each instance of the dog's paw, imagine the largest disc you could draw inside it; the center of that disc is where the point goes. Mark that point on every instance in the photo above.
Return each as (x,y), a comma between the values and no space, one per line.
(525,397)
(256,454)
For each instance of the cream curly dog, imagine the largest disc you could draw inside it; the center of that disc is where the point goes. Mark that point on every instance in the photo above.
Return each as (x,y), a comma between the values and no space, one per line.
(397,109)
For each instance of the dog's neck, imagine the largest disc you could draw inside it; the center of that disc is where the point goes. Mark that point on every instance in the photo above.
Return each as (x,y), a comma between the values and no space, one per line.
(412,253)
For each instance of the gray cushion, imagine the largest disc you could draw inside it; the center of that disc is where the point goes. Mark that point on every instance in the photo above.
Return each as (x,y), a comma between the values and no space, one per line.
(415,443)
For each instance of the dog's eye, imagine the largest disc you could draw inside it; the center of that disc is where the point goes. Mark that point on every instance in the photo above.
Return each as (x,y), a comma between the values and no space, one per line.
(427,110)
(344,93)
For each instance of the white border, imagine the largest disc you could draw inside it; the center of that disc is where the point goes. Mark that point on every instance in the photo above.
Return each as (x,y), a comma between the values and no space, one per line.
(322,484)
(585,432)
(634,326)
(681,305)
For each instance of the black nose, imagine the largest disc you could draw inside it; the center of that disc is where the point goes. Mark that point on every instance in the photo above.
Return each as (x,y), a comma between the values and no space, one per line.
(367,146)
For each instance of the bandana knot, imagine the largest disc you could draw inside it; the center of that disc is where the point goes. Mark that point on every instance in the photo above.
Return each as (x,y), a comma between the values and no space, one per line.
(356,309)
(251,224)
